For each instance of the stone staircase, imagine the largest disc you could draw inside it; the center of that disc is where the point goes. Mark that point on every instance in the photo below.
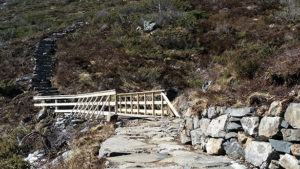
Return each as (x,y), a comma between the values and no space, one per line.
(45,63)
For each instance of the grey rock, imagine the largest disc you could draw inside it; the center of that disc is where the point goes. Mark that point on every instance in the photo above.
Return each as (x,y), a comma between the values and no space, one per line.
(211,112)
(234,119)
(281,146)
(275,109)
(250,125)
(149,26)
(189,123)
(220,110)
(288,161)
(284,124)
(184,138)
(214,146)
(269,126)
(35,158)
(231,135)
(196,122)
(257,153)
(234,149)
(204,113)
(274,164)
(291,134)
(216,127)
(42,115)
(232,126)
(206,85)
(204,122)
(292,115)
(196,136)
(240,112)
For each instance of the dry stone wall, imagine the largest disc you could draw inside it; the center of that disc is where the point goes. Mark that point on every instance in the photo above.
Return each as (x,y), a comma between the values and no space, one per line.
(272,141)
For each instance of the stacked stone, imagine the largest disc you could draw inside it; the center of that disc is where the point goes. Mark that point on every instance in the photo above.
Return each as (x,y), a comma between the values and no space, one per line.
(45,64)
(272,141)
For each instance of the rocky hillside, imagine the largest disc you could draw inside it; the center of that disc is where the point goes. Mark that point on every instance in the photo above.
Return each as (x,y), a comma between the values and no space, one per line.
(210,53)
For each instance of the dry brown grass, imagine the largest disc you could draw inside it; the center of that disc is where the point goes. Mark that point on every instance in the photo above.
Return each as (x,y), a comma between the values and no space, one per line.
(86,148)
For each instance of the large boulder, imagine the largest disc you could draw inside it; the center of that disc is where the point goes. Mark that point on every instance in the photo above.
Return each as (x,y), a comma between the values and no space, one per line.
(217,126)
(295,149)
(275,109)
(292,115)
(291,134)
(281,146)
(240,112)
(257,153)
(289,162)
(214,146)
(269,126)
(250,125)
(234,149)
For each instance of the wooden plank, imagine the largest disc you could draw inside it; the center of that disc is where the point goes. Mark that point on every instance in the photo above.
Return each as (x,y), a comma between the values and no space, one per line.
(70,104)
(148,111)
(69,111)
(145,92)
(102,93)
(170,105)
(136,115)
(125,104)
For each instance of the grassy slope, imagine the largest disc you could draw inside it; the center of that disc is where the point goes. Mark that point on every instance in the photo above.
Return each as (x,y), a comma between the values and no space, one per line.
(243,46)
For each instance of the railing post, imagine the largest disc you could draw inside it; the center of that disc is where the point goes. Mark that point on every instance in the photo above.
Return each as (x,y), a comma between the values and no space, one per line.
(56,107)
(116,103)
(138,104)
(153,105)
(125,104)
(131,105)
(162,105)
(145,106)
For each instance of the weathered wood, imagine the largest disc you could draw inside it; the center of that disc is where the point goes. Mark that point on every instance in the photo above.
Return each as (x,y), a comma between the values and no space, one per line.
(90,104)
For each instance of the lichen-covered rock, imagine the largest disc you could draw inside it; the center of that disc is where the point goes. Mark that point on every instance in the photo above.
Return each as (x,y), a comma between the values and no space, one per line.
(257,153)
(217,126)
(250,125)
(196,121)
(234,149)
(196,136)
(291,134)
(281,146)
(214,146)
(288,161)
(269,126)
(292,115)
(295,149)
(240,112)
(275,109)
(244,139)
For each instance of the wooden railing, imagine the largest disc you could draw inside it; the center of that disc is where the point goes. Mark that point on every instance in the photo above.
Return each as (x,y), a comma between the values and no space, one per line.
(108,103)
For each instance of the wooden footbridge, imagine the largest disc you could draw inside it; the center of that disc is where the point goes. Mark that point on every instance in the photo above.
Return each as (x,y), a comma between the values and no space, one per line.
(107,103)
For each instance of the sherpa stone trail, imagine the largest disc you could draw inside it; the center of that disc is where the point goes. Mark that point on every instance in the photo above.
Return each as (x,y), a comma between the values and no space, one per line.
(152,143)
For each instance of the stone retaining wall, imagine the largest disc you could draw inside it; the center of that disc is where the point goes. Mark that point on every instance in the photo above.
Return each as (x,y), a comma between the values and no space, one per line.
(272,141)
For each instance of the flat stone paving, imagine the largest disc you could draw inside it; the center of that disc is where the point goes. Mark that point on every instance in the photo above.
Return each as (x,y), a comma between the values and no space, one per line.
(153,144)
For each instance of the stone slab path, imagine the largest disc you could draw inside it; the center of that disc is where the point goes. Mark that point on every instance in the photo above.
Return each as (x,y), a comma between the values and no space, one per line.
(153,144)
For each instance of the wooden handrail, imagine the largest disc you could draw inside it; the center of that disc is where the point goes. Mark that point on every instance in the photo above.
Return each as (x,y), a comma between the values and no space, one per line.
(139,104)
